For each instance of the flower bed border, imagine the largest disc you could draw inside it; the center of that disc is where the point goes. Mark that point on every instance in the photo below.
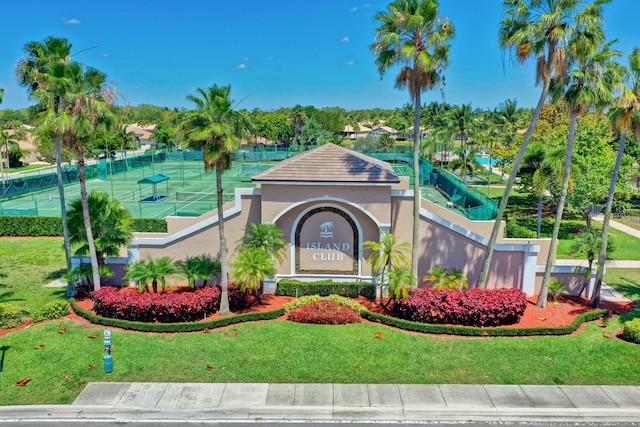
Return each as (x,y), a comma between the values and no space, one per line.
(369,315)
(430,328)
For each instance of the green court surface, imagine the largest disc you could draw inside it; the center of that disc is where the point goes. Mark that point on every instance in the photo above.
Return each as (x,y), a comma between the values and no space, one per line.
(189,191)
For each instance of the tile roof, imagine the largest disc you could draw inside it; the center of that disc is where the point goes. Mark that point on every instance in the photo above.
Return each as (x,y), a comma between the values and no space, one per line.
(330,163)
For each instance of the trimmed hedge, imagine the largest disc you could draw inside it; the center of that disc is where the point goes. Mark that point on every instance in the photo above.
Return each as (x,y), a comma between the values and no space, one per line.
(631,330)
(428,328)
(51,311)
(175,327)
(297,288)
(149,225)
(30,226)
(10,316)
(473,307)
(36,226)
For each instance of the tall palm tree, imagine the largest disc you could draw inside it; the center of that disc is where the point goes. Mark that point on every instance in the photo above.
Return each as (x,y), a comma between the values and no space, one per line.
(591,82)
(539,28)
(625,116)
(216,128)
(83,111)
(34,72)
(463,121)
(412,34)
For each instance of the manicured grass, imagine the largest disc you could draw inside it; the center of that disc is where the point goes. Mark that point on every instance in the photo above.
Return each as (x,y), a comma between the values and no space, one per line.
(282,351)
(26,265)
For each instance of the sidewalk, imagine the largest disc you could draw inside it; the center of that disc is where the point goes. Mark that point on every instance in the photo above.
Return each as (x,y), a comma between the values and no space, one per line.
(363,402)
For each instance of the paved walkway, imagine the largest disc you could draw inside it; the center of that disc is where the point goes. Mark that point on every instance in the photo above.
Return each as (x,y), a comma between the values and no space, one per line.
(364,402)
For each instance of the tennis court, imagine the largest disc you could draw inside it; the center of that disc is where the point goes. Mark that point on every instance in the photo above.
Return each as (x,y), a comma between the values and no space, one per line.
(189,190)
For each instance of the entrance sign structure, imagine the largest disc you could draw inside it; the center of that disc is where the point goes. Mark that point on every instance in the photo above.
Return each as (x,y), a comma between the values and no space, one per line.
(328,201)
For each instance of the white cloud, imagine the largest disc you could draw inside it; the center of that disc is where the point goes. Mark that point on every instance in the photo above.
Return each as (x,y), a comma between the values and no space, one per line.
(346,39)
(354,9)
(241,67)
(72,21)
(350,63)
(105,55)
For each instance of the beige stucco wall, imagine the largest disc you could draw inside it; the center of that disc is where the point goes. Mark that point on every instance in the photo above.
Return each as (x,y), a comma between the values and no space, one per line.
(446,238)
(204,240)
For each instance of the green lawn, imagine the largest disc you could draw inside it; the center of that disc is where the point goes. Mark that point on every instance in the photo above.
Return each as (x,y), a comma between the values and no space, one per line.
(281,351)
(25,266)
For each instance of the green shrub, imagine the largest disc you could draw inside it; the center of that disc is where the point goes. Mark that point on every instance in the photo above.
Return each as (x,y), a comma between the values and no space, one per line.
(36,226)
(297,288)
(10,316)
(324,312)
(304,300)
(517,231)
(631,330)
(175,327)
(430,328)
(50,311)
(149,225)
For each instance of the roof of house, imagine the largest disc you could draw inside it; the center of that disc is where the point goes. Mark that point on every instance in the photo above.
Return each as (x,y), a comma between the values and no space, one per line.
(330,163)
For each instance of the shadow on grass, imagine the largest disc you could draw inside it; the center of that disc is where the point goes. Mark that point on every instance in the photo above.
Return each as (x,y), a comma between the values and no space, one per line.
(56,274)
(633,314)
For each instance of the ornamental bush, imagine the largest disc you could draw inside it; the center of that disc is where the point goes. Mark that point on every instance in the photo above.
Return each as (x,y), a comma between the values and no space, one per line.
(151,307)
(10,316)
(298,288)
(50,311)
(324,312)
(631,330)
(473,307)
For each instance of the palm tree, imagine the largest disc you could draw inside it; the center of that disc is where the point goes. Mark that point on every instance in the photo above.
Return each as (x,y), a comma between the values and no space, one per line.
(624,115)
(198,267)
(216,128)
(34,72)
(82,112)
(411,33)
(138,271)
(401,279)
(265,236)
(110,225)
(159,269)
(590,83)
(541,29)
(388,251)
(464,121)
(251,267)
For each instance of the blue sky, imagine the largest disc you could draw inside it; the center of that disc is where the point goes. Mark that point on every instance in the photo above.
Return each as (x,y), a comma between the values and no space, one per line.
(275,53)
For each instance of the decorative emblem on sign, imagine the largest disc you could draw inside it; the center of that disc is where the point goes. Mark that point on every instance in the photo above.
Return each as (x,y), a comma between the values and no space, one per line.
(324,230)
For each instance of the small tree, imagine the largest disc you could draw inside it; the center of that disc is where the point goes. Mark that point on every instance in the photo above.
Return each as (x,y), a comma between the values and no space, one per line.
(388,251)
(401,279)
(265,236)
(198,267)
(138,271)
(251,267)
(159,269)
(446,278)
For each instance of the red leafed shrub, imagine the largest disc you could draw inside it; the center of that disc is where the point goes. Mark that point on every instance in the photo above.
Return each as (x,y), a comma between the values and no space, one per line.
(473,307)
(324,312)
(167,307)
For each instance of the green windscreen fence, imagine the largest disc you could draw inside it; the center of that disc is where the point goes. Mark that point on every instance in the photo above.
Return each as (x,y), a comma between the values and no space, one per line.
(477,205)
(191,185)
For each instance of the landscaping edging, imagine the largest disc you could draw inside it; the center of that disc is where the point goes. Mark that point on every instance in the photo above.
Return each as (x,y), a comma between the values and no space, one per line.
(430,328)
(369,315)
(175,327)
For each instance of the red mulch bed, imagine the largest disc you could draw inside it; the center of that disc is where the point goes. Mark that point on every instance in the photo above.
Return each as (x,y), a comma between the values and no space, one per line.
(562,313)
